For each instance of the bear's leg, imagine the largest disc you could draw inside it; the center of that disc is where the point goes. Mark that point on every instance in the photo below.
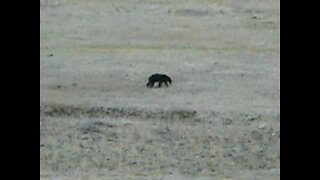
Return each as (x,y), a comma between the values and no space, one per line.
(150,84)
(165,82)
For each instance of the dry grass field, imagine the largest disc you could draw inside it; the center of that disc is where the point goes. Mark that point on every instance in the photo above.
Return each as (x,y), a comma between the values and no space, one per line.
(220,118)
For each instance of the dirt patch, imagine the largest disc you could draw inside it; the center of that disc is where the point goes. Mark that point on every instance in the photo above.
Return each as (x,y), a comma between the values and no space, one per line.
(95,112)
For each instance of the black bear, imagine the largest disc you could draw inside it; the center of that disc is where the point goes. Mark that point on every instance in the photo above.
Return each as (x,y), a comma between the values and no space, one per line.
(160,78)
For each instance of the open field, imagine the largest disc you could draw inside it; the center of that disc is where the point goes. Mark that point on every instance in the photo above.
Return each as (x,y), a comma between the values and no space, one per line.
(220,118)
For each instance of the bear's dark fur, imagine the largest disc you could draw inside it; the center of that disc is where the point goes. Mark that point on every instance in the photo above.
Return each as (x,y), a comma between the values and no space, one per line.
(160,78)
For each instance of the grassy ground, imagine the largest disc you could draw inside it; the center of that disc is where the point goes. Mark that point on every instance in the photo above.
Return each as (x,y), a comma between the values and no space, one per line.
(219,119)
